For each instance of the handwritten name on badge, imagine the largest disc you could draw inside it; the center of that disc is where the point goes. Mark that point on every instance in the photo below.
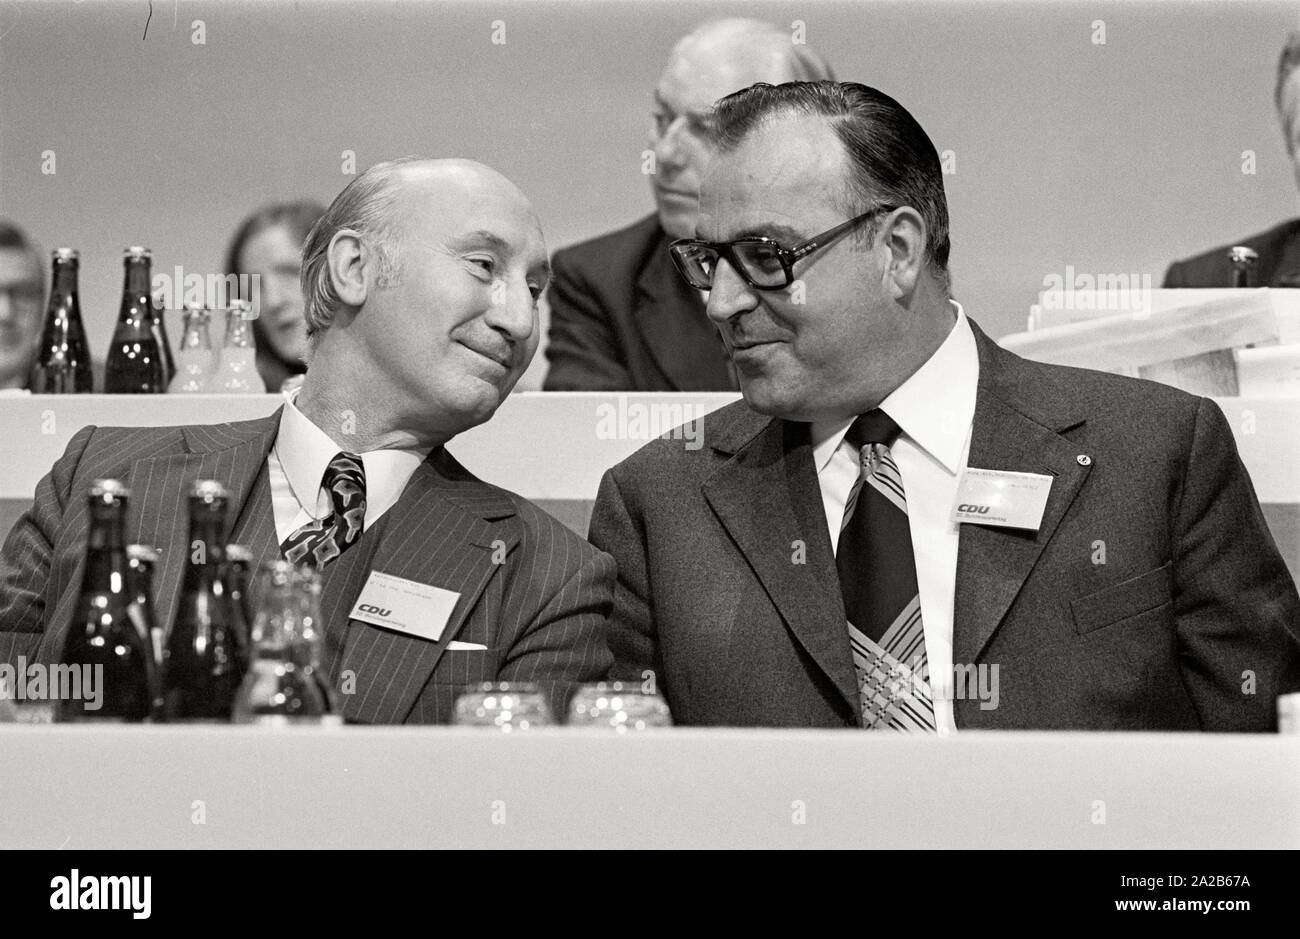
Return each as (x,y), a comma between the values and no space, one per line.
(405,605)
(1002,498)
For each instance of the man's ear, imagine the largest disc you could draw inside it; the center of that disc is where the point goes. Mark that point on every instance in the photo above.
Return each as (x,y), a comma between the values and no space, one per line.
(347,272)
(903,231)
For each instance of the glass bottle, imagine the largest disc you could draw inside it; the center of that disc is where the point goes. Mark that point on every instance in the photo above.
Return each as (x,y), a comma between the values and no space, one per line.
(141,560)
(278,689)
(158,326)
(135,364)
(62,364)
(202,661)
(238,577)
(311,650)
(1243,261)
(195,360)
(106,657)
(237,373)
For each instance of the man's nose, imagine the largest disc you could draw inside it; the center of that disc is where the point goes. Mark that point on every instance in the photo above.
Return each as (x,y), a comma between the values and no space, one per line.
(513,311)
(669,149)
(8,309)
(730,295)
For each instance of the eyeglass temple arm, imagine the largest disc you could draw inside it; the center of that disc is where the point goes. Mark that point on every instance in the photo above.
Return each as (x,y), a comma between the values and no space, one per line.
(812,244)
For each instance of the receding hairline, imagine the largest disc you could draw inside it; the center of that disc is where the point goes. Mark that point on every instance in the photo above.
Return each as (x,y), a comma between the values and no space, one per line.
(844,195)
(442,178)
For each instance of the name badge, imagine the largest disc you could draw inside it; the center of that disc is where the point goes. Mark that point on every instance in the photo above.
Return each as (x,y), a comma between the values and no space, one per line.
(998,497)
(405,605)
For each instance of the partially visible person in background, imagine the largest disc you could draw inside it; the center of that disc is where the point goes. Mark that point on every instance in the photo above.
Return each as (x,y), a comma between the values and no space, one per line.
(269,245)
(621,318)
(1278,248)
(22,290)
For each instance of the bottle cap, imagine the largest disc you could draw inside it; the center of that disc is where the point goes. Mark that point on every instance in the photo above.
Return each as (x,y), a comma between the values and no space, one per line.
(239,553)
(209,490)
(1241,255)
(135,252)
(65,254)
(142,552)
(108,490)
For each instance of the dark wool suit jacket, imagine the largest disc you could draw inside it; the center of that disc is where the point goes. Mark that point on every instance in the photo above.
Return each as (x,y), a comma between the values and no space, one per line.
(622,319)
(1279,262)
(743,627)
(534,594)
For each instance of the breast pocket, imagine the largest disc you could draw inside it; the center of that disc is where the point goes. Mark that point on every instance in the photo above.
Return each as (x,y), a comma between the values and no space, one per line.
(1133,597)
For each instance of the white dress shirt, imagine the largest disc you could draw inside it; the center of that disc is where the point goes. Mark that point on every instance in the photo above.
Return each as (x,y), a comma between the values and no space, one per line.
(934,408)
(297,463)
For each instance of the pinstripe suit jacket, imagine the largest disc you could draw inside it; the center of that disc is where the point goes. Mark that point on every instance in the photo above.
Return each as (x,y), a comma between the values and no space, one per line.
(1152,596)
(533,593)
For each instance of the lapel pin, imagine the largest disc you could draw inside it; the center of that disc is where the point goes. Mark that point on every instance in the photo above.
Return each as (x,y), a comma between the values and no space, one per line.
(1084,459)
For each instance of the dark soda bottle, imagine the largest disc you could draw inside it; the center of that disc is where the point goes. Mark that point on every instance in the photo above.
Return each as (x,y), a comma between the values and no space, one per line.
(203,661)
(1244,261)
(158,327)
(135,362)
(140,563)
(62,363)
(104,653)
(239,585)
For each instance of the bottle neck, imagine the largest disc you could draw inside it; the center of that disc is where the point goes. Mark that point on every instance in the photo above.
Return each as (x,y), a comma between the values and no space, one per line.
(239,332)
(63,292)
(196,333)
(135,291)
(106,562)
(207,544)
(140,580)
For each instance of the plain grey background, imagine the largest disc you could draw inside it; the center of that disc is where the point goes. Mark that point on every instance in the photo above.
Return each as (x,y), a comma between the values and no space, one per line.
(1111,158)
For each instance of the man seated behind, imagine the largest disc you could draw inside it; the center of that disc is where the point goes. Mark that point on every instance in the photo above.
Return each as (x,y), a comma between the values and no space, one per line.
(818,562)
(421,285)
(1278,249)
(621,320)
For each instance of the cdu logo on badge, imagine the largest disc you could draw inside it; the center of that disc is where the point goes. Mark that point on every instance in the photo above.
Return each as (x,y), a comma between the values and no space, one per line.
(377,611)
(971,507)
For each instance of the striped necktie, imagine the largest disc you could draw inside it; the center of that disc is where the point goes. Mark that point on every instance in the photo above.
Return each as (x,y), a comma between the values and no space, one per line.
(878,581)
(322,540)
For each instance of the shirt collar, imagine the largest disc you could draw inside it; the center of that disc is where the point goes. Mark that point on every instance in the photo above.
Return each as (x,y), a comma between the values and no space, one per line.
(305,451)
(934,406)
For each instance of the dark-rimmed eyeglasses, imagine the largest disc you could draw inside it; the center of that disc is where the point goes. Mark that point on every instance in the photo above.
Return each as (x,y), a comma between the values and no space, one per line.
(763,263)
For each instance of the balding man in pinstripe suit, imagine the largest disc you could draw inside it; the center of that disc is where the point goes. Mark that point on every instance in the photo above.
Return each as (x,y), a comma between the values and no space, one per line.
(421,286)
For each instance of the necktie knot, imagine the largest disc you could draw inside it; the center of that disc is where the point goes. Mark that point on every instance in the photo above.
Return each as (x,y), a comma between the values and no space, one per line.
(322,540)
(345,481)
(873,427)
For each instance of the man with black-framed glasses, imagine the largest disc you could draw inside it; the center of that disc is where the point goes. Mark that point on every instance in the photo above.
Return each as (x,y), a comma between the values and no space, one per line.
(903,526)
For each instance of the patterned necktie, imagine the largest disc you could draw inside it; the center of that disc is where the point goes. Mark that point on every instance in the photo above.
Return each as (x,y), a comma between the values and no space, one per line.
(322,540)
(878,581)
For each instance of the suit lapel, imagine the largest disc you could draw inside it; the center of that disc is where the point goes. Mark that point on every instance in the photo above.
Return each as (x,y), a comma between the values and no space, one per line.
(255,529)
(768,499)
(450,530)
(234,454)
(682,340)
(1010,433)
